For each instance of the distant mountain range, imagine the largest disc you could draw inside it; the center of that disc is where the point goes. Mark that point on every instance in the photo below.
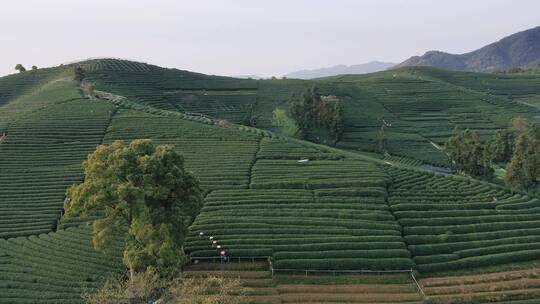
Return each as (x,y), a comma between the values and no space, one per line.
(520,50)
(247,76)
(370,67)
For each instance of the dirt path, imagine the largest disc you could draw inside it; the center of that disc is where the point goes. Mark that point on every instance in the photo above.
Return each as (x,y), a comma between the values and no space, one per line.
(481,278)
(108,96)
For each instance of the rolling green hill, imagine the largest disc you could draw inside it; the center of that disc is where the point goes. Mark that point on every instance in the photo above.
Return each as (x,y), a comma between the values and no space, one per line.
(422,104)
(339,210)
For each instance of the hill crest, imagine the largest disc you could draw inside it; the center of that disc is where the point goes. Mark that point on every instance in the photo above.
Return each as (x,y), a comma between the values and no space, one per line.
(520,50)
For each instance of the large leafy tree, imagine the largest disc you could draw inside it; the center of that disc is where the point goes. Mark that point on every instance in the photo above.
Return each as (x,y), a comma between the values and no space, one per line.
(523,171)
(144,188)
(332,118)
(19,67)
(518,126)
(302,109)
(467,153)
(311,111)
(500,147)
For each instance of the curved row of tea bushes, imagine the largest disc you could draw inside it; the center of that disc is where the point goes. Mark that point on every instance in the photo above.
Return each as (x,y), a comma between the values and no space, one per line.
(284,148)
(171,89)
(323,211)
(220,157)
(423,104)
(41,158)
(53,268)
(454,223)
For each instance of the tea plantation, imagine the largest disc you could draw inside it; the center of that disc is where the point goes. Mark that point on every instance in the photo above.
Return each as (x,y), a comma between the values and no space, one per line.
(422,105)
(42,154)
(303,205)
(220,157)
(53,268)
(453,223)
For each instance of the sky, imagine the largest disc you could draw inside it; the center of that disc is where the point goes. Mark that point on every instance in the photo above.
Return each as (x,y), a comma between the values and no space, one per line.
(251,37)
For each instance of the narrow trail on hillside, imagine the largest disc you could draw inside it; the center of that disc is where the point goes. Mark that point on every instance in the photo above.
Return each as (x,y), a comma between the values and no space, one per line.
(109,122)
(255,157)
(108,96)
(435,145)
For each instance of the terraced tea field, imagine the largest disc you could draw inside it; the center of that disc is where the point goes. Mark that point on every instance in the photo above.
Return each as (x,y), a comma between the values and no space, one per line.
(53,268)
(17,85)
(422,105)
(22,95)
(220,157)
(194,93)
(308,207)
(514,84)
(454,223)
(266,186)
(321,214)
(41,157)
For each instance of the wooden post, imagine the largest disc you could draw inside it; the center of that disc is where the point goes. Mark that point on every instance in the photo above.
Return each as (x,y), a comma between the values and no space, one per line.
(417,284)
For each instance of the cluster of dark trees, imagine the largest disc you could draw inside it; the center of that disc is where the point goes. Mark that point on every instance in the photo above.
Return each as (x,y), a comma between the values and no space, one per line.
(79,74)
(19,67)
(517,147)
(468,154)
(311,111)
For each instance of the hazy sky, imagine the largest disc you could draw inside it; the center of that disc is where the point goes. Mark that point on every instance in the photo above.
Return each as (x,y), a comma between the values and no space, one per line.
(238,37)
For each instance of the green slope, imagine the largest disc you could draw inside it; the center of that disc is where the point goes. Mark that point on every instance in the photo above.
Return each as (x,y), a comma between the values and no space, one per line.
(32,90)
(423,104)
(337,211)
(257,190)
(50,132)
(53,268)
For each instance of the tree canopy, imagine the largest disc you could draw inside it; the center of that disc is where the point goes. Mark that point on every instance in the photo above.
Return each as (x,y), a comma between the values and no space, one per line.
(500,147)
(79,74)
(468,154)
(523,171)
(310,111)
(144,188)
(518,147)
(19,67)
